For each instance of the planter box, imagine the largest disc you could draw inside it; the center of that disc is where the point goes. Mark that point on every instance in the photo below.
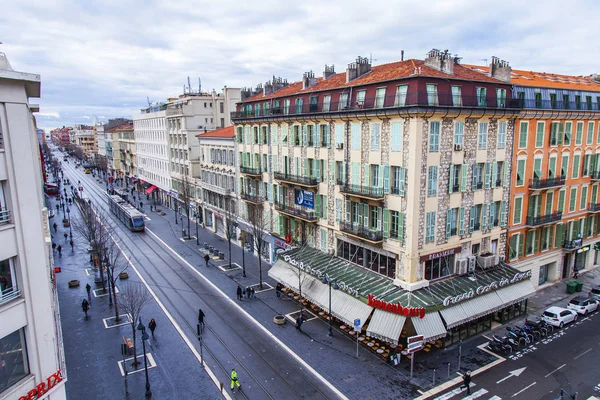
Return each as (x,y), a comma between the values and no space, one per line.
(123,275)
(73,283)
(279,319)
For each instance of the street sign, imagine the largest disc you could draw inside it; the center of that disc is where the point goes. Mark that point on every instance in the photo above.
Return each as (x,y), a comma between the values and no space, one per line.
(357,322)
(416,338)
(411,350)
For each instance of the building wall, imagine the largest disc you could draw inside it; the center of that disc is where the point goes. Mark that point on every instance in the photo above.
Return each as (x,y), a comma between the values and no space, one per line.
(152,149)
(25,239)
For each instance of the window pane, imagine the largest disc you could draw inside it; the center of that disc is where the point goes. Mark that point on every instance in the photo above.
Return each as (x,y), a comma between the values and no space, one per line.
(14,364)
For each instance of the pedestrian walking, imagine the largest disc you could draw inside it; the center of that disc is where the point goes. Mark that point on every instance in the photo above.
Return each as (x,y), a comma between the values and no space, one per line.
(201,318)
(71,243)
(66,236)
(206,258)
(152,326)
(53,247)
(248,292)
(54,226)
(252,293)
(88,289)
(467,382)
(234,380)
(59,249)
(278,290)
(239,293)
(85,306)
(576,273)
(299,322)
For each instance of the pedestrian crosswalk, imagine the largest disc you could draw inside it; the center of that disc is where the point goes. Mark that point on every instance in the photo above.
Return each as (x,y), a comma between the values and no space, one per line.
(461,393)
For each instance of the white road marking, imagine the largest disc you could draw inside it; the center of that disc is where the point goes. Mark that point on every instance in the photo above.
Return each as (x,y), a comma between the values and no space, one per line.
(251,319)
(96,291)
(585,352)
(479,393)
(127,318)
(151,364)
(453,393)
(495,398)
(550,373)
(516,372)
(524,389)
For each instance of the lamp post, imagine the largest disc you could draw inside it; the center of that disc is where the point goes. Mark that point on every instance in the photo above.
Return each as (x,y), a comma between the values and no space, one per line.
(175,207)
(62,203)
(197,233)
(145,337)
(110,280)
(69,216)
(331,283)
(243,258)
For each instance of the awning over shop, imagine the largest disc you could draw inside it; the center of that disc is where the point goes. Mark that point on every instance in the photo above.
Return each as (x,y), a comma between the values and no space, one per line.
(517,292)
(386,326)
(150,189)
(343,306)
(430,326)
(482,305)
(454,316)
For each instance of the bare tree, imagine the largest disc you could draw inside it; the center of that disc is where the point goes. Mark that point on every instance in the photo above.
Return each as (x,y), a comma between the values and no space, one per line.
(133,299)
(230,224)
(258,223)
(186,197)
(302,278)
(114,266)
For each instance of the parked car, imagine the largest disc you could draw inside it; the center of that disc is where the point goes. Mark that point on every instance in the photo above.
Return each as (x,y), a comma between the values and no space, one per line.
(595,293)
(583,305)
(558,316)
(88,171)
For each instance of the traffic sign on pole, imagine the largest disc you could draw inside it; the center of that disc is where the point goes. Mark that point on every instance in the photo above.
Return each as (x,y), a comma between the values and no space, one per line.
(416,338)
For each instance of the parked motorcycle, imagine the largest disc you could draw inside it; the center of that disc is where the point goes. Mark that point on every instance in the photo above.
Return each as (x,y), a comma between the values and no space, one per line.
(537,326)
(518,335)
(534,332)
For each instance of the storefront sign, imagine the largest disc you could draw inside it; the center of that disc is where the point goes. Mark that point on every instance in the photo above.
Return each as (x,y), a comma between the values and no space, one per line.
(583,249)
(304,198)
(43,387)
(315,272)
(396,308)
(483,289)
(282,244)
(440,254)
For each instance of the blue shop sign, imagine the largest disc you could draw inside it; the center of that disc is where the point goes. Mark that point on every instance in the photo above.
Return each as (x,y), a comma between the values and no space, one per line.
(304,198)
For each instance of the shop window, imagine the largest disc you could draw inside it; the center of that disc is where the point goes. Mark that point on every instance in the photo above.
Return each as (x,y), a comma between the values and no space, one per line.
(14,364)
(543,274)
(439,267)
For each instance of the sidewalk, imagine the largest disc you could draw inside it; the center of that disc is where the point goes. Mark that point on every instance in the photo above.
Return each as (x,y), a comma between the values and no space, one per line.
(93,351)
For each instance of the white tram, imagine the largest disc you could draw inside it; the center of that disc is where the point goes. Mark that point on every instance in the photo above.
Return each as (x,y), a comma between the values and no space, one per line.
(128,214)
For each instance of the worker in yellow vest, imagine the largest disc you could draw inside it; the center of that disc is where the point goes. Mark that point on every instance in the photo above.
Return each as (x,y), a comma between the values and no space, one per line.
(234,380)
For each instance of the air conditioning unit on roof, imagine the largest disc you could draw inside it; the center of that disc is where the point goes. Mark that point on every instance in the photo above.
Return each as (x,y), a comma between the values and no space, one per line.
(472,263)
(457,147)
(463,266)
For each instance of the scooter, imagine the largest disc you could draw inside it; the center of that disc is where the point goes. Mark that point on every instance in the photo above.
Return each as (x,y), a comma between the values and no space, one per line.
(536,334)
(516,335)
(505,341)
(537,326)
(527,336)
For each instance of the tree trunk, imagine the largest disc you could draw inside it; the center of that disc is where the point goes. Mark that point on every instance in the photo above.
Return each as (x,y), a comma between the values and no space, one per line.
(135,361)
(114,290)
(229,245)
(260,285)
(188,221)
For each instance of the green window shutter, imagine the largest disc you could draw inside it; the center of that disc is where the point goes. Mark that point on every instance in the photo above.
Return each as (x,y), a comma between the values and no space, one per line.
(448,223)
(503,215)
(484,219)
(518,211)
(463,180)
(594,194)
(488,175)
(494,173)
(366,169)
(561,201)
(552,167)
(451,180)
(583,200)
(355,173)
(401,226)
(539,135)
(366,215)
(386,179)
(348,211)
(304,136)
(305,168)
(380,176)
(318,170)
(461,222)
(505,177)
(332,172)
(472,219)
(402,181)
(324,206)
(386,225)
(318,205)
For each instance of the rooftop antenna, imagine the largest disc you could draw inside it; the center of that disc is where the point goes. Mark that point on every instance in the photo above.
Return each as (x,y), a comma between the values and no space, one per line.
(189,86)
(484,60)
(371,59)
(148,100)
(199,85)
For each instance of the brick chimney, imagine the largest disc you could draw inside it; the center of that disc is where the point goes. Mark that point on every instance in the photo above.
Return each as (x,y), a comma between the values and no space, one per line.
(279,83)
(441,60)
(361,66)
(500,69)
(308,80)
(329,71)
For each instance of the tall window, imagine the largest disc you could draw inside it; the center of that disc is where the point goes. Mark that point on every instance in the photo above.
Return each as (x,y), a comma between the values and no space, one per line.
(590,133)
(483,135)
(568,131)
(430,227)
(539,134)
(375,139)
(360,98)
(523,134)
(456,96)
(355,136)
(326,102)
(477,182)
(501,135)
(451,222)
(481,96)
(432,181)
(501,98)
(380,97)
(572,199)
(475,218)
(517,210)
(579,134)
(15,362)
(459,130)
(576,166)
(396,136)
(401,95)
(339,135)
(299,102)
(432,95)
(434,136)
(343,101)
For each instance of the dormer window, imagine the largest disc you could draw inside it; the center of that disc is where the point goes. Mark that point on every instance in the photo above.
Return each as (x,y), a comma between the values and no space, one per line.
(380,98)
(432,95)
(401,95)
(360,98)
(501,98)
(299,106)
(481,97)
(343,101)
(456,96)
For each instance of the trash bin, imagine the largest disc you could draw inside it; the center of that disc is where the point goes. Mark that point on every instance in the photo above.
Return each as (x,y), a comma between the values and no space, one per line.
(571,287)
(579,286)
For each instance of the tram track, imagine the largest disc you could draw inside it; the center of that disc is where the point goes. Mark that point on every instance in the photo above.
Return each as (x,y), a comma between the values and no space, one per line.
(167,262)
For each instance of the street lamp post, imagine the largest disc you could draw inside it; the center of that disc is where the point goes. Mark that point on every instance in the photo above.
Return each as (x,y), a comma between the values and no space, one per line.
(199,331)
(145,337)
(331,283)
(243,258)
(70,231)
(197,233)
(175,208)
(110,280)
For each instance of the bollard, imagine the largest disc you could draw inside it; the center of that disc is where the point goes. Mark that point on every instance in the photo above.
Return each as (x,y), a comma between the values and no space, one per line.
(448,371)
(221,385)
(434,377)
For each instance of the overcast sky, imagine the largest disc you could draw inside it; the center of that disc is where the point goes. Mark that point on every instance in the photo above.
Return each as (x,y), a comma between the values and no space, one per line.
(104,58)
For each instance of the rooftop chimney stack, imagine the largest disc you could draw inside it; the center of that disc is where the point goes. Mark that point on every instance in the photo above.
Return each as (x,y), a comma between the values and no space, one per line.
(329,71)
(500,69)
(308,80)
(361,66)
(279,83)
(441,60)
(401,55)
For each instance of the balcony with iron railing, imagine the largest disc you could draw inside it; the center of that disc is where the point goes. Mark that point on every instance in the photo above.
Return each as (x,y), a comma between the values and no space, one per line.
(538,184)
(4,216)
(420,99)
(9,294)
(296,179)
(251,171)
(573,244)
(252,198)
(538,104)
(594,207)
(370,235)
(368,192)
(544,219)
(296,212)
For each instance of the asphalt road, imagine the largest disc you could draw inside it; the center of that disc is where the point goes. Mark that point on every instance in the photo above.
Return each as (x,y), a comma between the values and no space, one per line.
(565,359)
(231,339)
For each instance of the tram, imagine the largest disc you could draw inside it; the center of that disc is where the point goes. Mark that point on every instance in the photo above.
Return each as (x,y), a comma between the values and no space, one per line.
(126,213)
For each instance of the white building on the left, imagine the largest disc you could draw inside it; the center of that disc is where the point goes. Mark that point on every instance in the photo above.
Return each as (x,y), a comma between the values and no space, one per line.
(31,346)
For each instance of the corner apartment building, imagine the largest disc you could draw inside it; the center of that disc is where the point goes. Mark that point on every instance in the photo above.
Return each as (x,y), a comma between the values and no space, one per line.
(398,173)
(188,116)
(217,179)
(85,137)
(31,349)
(554,221)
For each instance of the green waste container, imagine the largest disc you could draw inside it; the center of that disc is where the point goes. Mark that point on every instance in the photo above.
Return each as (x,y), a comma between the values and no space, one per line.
(579,286)
(571,287)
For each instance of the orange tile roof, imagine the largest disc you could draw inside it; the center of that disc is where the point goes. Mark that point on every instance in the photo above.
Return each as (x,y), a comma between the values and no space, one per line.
(379,73)
(227,132)
(122,127)
(543,79)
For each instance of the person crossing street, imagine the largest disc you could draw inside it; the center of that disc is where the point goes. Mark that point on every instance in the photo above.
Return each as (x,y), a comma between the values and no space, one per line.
(88,289)
(201,318)
(152,326)
(85,306)
(234,380)
(467,382)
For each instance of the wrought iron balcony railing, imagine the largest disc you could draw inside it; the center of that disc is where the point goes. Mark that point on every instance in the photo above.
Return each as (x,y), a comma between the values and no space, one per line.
(250,171)
(544,219)
(361,232)
(364,191)
(4,216)
(296,212)
(300,180)
(537,183)
(253,198)
(594,207)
